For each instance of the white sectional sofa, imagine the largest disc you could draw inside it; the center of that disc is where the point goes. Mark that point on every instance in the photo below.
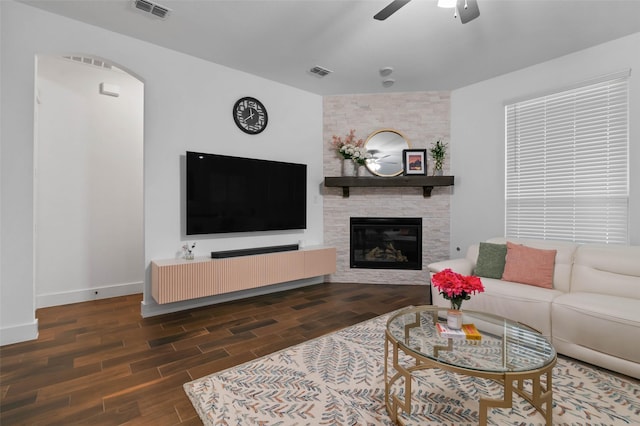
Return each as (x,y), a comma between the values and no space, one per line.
(592,311)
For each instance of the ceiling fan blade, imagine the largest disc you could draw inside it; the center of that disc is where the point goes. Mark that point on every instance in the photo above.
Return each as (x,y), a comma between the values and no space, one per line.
(390,9)
(468,10)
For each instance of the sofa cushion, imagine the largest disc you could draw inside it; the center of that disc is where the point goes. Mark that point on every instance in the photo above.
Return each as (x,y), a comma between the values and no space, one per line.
(609,269)
(527,304)
(601,322)
(491,259)
(528,265)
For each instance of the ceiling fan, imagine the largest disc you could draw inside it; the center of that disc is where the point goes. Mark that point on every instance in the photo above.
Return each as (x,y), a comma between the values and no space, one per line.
(467,9)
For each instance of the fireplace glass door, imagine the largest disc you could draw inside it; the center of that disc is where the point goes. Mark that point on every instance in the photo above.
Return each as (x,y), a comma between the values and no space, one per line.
(386,243)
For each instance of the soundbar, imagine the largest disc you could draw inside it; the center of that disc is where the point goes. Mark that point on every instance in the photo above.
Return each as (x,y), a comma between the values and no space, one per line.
(252,251)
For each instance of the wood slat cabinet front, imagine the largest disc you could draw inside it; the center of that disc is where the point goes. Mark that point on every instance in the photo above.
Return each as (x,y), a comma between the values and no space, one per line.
(174,280)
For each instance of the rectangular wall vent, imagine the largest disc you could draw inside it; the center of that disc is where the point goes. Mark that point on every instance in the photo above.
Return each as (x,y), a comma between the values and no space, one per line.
(109,89)
(152,8)
(320,71)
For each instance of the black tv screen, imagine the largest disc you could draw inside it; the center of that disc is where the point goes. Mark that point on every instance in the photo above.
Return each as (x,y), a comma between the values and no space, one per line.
(234,194)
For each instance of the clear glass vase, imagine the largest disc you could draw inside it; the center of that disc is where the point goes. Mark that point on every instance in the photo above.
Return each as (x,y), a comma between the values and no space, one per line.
(454,315)
(454,319)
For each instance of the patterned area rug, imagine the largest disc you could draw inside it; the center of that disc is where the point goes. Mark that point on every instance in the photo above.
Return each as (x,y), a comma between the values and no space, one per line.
(338,379)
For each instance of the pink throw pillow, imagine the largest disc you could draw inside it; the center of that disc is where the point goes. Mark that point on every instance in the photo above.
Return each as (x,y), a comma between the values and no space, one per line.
(528,265)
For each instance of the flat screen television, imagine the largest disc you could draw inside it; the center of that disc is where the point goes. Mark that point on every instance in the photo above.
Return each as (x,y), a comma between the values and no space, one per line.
(233,194)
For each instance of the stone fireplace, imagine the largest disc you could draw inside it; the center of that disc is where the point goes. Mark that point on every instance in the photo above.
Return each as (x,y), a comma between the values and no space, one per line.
(423,117)
(385,243)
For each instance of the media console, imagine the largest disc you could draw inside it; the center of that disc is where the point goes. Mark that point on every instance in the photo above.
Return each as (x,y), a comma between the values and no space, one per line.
(174,280)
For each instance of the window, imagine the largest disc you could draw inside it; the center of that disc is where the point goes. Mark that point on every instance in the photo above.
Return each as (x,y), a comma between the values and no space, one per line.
(567,164)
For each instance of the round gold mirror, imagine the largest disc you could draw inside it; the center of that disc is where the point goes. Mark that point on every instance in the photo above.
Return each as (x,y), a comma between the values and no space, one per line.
(385,147)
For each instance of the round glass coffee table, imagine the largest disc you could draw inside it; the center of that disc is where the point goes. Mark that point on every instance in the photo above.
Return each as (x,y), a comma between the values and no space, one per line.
(507,352)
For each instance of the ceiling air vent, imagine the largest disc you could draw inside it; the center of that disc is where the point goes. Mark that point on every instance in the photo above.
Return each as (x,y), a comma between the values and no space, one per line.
(320,71)
(152,8)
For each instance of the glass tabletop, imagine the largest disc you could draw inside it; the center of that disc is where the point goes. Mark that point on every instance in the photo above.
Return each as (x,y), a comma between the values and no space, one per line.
(504,345)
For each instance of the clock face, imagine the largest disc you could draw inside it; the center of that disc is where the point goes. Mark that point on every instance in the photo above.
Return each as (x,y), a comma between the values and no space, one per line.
(250,115)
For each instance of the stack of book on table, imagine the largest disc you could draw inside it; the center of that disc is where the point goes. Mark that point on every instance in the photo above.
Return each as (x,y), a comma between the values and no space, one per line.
(468,331)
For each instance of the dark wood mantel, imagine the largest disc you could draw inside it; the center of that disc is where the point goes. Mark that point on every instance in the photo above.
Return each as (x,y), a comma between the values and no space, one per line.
(426,182)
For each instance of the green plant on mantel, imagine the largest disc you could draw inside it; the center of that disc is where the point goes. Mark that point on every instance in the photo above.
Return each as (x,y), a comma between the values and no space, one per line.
(438,151)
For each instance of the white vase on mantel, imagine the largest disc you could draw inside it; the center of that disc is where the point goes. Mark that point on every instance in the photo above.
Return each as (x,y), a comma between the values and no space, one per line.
(361,170)
(348,167)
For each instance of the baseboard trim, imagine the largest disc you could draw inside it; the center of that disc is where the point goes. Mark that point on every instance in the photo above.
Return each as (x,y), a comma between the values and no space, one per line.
(19,333)
(151,308)
(87,294)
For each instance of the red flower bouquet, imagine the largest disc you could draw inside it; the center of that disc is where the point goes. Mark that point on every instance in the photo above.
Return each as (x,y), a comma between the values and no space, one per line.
(456,287)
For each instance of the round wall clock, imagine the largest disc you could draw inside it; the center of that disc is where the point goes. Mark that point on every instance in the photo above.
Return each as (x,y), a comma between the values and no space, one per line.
(250,115)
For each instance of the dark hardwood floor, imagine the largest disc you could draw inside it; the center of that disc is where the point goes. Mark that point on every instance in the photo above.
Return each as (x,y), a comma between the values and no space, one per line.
(100,363)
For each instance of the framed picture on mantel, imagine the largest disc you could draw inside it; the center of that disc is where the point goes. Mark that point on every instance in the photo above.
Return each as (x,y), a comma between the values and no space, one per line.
(414,161)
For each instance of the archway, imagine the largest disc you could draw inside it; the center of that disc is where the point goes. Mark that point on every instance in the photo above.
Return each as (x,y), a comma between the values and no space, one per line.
(88,186)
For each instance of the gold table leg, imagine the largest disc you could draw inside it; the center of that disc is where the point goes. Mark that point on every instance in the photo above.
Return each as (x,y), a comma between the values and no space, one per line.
(539,395)
(396,403)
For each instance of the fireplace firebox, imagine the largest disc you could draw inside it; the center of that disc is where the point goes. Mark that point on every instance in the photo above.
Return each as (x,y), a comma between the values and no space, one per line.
(386,243)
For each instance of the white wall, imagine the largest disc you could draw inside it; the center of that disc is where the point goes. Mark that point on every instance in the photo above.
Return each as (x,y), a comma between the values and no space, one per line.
(477,134)
(188,105)
(89,193)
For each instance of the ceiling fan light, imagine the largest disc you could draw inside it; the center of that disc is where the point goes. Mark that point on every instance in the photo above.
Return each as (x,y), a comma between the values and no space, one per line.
(447,4)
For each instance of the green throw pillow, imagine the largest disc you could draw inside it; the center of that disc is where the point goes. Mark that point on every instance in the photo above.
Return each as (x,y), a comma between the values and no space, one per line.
(491,260)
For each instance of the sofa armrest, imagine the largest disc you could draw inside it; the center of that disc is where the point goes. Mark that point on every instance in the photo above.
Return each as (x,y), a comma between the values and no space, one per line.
(462,266)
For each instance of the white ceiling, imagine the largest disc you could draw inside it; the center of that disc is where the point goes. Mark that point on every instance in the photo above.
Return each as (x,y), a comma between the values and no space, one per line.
(428,49)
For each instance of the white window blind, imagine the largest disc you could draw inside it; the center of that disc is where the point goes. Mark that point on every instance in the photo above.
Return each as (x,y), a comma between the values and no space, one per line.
(567,164)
